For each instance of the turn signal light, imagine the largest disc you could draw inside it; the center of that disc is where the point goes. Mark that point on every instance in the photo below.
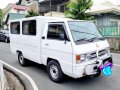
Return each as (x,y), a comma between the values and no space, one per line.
(77,59)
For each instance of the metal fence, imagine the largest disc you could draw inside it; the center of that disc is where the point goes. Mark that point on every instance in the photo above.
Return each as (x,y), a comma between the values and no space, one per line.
(110,31)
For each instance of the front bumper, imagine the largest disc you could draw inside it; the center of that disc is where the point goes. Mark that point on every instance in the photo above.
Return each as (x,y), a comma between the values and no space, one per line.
(90,68)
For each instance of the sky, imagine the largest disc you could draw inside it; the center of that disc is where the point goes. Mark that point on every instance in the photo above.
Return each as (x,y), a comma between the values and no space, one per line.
(4,3)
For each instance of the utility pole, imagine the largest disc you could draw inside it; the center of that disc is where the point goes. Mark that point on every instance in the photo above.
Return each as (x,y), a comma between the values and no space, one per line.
(50,8)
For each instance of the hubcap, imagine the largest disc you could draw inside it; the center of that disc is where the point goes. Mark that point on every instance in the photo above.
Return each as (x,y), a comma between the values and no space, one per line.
(54,71)
(21,59)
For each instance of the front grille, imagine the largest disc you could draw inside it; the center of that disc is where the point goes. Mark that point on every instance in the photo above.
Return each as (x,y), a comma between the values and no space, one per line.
(102,52)
(93,55)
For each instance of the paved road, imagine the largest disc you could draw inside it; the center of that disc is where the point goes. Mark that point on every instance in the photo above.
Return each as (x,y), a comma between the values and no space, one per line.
(39,75)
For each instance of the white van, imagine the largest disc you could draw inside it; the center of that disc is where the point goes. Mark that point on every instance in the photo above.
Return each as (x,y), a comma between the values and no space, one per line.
(71,47)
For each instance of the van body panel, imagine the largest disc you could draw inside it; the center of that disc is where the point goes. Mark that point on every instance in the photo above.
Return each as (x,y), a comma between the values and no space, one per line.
(86,48)
(59,50)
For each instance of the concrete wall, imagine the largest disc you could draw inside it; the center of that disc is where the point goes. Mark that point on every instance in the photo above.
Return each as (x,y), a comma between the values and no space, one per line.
(114,43)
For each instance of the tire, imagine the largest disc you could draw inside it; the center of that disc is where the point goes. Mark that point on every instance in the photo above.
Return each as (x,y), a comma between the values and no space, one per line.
(54,71)
(6,40)
(22,61)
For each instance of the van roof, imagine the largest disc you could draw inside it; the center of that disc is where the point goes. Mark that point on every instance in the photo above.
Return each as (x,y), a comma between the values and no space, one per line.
(41,17)
(47,18)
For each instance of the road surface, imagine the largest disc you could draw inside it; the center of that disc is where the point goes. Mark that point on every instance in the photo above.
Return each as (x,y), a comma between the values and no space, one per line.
(39,75)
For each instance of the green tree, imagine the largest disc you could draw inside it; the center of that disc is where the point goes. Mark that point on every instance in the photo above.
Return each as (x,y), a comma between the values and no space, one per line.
(77,9)
(31,13)
(1,18)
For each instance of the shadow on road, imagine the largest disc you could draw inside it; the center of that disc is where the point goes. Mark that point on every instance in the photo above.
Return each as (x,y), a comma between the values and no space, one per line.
(68,80)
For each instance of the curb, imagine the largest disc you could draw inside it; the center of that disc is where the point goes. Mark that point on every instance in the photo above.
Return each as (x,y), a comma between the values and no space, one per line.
(16,75)
(34,86)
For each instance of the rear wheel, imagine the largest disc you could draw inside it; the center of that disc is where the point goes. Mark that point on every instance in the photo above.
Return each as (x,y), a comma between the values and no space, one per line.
(22,60)
(54,71)
(6,40)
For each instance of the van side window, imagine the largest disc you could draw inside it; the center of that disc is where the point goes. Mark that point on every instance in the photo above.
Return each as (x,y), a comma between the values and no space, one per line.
(29,27)
(56,31)
(15,28)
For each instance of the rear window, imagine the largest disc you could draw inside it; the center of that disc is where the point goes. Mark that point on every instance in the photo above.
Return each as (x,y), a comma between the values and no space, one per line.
(15,28)
(29,27)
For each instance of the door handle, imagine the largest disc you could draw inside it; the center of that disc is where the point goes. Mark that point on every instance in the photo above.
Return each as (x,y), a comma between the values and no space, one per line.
(43,37)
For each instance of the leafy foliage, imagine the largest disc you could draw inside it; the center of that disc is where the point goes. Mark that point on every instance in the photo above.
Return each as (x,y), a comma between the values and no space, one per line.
(1,18)
(77,9)
(31,13)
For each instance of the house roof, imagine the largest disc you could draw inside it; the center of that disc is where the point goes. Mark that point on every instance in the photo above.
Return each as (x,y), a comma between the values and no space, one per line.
(15,16)
(14,6)
(12,16)
(18,7)
(106,7)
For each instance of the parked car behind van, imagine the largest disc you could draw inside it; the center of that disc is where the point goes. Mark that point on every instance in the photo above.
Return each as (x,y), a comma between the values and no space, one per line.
(4,36)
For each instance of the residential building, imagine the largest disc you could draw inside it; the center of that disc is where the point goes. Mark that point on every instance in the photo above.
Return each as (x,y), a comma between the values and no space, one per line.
(11,9)
(47,7)
(107,18)
(30,4)
(53,5)
(12,16)
(105,14)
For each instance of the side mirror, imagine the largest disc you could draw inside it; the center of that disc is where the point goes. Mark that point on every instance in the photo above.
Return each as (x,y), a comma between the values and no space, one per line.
(62,36)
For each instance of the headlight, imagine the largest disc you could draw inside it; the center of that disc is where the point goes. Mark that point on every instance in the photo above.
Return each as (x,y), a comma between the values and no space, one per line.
(80,58)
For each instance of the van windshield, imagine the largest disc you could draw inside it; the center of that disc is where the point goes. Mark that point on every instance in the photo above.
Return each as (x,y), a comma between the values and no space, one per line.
(83,31)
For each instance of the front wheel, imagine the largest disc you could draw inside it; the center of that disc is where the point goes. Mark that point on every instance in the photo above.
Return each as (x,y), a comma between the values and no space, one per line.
(54,71)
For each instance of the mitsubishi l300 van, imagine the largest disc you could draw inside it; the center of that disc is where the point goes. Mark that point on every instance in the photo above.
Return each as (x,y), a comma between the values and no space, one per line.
(67,47)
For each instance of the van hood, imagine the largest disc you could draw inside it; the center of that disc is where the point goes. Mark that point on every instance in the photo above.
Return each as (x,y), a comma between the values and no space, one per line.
(90,47)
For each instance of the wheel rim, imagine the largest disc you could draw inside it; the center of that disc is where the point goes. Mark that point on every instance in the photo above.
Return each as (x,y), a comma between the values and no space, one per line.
(21,59)
(54,71)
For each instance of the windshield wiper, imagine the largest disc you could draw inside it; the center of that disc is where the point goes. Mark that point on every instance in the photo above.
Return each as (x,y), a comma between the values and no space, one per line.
(94,38)
(83,39)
